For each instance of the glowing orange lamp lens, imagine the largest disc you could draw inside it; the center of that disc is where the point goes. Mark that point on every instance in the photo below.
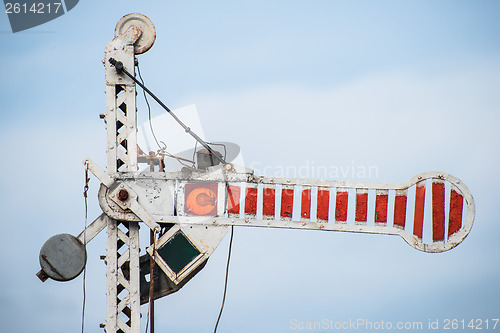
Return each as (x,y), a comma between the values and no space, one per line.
(201,199)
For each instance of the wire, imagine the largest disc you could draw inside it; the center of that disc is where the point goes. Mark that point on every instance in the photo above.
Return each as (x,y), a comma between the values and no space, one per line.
(119,68)
(228,259)
(219,144)
(85,191)
(149,107)
(163,152)
(225,282)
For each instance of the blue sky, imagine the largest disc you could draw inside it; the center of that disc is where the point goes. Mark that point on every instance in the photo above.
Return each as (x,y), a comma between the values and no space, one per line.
(404,86)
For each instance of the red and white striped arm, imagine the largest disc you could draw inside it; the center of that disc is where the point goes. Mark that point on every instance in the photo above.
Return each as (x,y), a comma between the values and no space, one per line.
(433,211)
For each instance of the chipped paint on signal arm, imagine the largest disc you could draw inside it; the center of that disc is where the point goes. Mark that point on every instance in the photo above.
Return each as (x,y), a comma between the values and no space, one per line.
(286,202)
(233,192)
(381,206)
(251,200)
(323,202)
(270,212)
(268,202)
(361,205)
(341,204)
(438,206)
(456,209)
(305,205)
(400,201)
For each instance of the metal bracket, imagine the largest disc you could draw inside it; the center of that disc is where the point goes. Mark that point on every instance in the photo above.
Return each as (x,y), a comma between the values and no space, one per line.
(123,195)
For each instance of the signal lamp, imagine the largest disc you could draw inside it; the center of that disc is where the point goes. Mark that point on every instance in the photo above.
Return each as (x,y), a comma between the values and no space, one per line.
(201,199)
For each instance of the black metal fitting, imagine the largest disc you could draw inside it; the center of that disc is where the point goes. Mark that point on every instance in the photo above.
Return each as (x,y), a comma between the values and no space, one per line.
(118,65)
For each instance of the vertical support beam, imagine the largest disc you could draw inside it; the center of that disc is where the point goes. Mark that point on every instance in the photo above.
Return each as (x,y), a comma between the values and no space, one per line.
(134,279)
(221,199)
(111,274)
(123,293)
(111,128)
(121,115)
(152,240)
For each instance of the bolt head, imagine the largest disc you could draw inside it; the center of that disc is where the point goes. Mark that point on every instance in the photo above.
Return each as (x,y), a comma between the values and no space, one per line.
(122,195)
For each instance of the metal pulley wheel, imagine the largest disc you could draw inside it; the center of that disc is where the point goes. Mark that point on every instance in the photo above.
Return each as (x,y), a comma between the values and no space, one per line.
(63,257)
(148,31)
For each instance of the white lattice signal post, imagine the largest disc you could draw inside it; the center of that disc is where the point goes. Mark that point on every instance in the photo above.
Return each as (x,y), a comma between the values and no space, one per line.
(134,34)
(192,208)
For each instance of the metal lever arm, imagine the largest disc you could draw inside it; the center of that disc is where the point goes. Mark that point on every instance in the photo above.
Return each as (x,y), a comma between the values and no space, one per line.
(84,237)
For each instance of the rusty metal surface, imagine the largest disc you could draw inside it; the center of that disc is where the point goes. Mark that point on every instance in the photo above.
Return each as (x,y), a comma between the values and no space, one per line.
(143,24)
(122,195)
(152,159)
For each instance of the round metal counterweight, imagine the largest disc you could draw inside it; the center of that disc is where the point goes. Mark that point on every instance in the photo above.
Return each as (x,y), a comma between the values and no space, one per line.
(63,257)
